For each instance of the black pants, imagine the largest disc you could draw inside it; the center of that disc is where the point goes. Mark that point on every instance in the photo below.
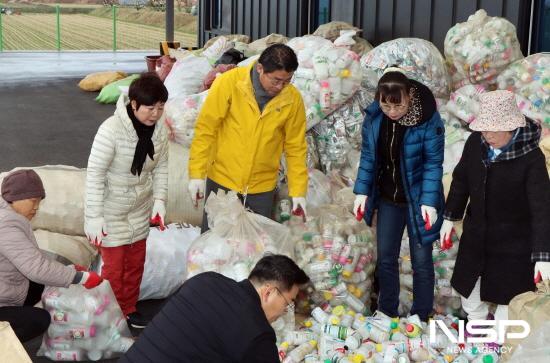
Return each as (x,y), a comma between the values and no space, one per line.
(27,321)
(260,203)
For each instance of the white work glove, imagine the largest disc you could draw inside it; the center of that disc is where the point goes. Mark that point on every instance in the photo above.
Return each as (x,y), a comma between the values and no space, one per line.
(95,230)
(445,234)
(359,206)
(542,268)
(158,214)
(299,202)
(429,215)
(196,190)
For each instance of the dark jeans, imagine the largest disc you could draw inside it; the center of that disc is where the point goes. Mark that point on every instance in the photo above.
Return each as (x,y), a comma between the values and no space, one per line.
(27,321)
(260,203)
(392,219)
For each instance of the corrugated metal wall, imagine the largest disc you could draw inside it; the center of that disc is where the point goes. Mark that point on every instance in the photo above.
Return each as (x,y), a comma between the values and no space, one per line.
(381,20)
(256,18)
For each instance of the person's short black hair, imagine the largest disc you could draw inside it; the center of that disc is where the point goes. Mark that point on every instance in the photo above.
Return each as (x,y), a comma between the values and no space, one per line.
(392,86)
(280,269)
(278,57)
(147,90)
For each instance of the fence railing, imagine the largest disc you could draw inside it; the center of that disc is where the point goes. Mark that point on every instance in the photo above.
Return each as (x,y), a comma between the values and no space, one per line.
(92,27)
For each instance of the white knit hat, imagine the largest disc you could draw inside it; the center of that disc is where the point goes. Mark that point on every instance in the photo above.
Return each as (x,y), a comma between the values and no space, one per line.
(498,111)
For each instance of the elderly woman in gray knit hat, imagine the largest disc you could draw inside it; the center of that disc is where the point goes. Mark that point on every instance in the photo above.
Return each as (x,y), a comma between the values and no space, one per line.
(501,189)
(24,269)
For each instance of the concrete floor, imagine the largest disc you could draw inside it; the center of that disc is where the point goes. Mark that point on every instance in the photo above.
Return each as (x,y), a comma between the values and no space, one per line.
(46,119)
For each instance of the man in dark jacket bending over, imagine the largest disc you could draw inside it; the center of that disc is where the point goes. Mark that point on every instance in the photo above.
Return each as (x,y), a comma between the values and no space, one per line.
(212,318)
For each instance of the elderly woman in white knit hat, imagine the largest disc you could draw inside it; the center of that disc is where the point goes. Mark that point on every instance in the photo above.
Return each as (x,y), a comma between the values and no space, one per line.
(502,190)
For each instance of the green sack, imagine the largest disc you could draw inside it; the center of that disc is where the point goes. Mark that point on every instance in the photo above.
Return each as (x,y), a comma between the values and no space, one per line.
(111,92)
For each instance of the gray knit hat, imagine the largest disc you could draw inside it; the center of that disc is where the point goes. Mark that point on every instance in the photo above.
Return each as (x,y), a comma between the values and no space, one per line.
(22,184)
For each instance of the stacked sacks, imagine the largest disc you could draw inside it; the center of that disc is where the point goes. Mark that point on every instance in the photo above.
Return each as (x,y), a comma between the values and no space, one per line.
(86,324)
(480,48)
(529,79)
(327,75)
(419,58)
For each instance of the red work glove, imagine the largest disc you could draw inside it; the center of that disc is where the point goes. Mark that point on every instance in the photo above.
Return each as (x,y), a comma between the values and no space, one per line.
(90,279)
(158,214)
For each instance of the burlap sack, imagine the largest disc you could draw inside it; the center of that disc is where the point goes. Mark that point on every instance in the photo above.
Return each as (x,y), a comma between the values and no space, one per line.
(533,307)
(232,37)
(11,349)
(96,81)
(331,30)
(63,209)
(179,208)
(258,46)
(66,249)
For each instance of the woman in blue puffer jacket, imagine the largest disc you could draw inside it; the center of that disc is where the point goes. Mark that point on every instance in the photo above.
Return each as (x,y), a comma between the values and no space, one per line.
(399,175)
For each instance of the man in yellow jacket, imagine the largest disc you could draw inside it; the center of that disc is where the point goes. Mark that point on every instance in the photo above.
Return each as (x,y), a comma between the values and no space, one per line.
(252,115)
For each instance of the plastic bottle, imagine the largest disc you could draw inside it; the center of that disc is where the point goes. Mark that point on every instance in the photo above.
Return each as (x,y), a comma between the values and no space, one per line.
(399,347)
(490,357)
(363,259)
(298,354)
(73,332)
(64,355)
(376,334)
(311,358)
(461,359)
(349,267)
(390,355)
(403,358)
(298,337)
(324,95)
(121,345)
(364,353)
(283,348)
(353,302)
(383,321)
(419,354)
(336,331)
(64,317)
(413,328)
(59,344)
(347,319)
(336,249)
(319,315)
(319,267)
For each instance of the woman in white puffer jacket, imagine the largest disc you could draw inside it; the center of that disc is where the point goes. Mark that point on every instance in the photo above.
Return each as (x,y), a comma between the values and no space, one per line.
(126,187)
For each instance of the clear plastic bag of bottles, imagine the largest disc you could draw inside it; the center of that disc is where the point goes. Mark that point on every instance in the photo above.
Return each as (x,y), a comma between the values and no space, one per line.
(85,324)
(529,79)
(419,58)
(327,75)
(480,48)
(181,115)
(237,239)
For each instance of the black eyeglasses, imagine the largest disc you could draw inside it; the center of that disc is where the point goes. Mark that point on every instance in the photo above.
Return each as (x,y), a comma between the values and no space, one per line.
(289,304)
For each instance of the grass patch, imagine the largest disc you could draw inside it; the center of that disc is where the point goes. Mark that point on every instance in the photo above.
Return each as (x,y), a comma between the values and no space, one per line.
(183,22)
